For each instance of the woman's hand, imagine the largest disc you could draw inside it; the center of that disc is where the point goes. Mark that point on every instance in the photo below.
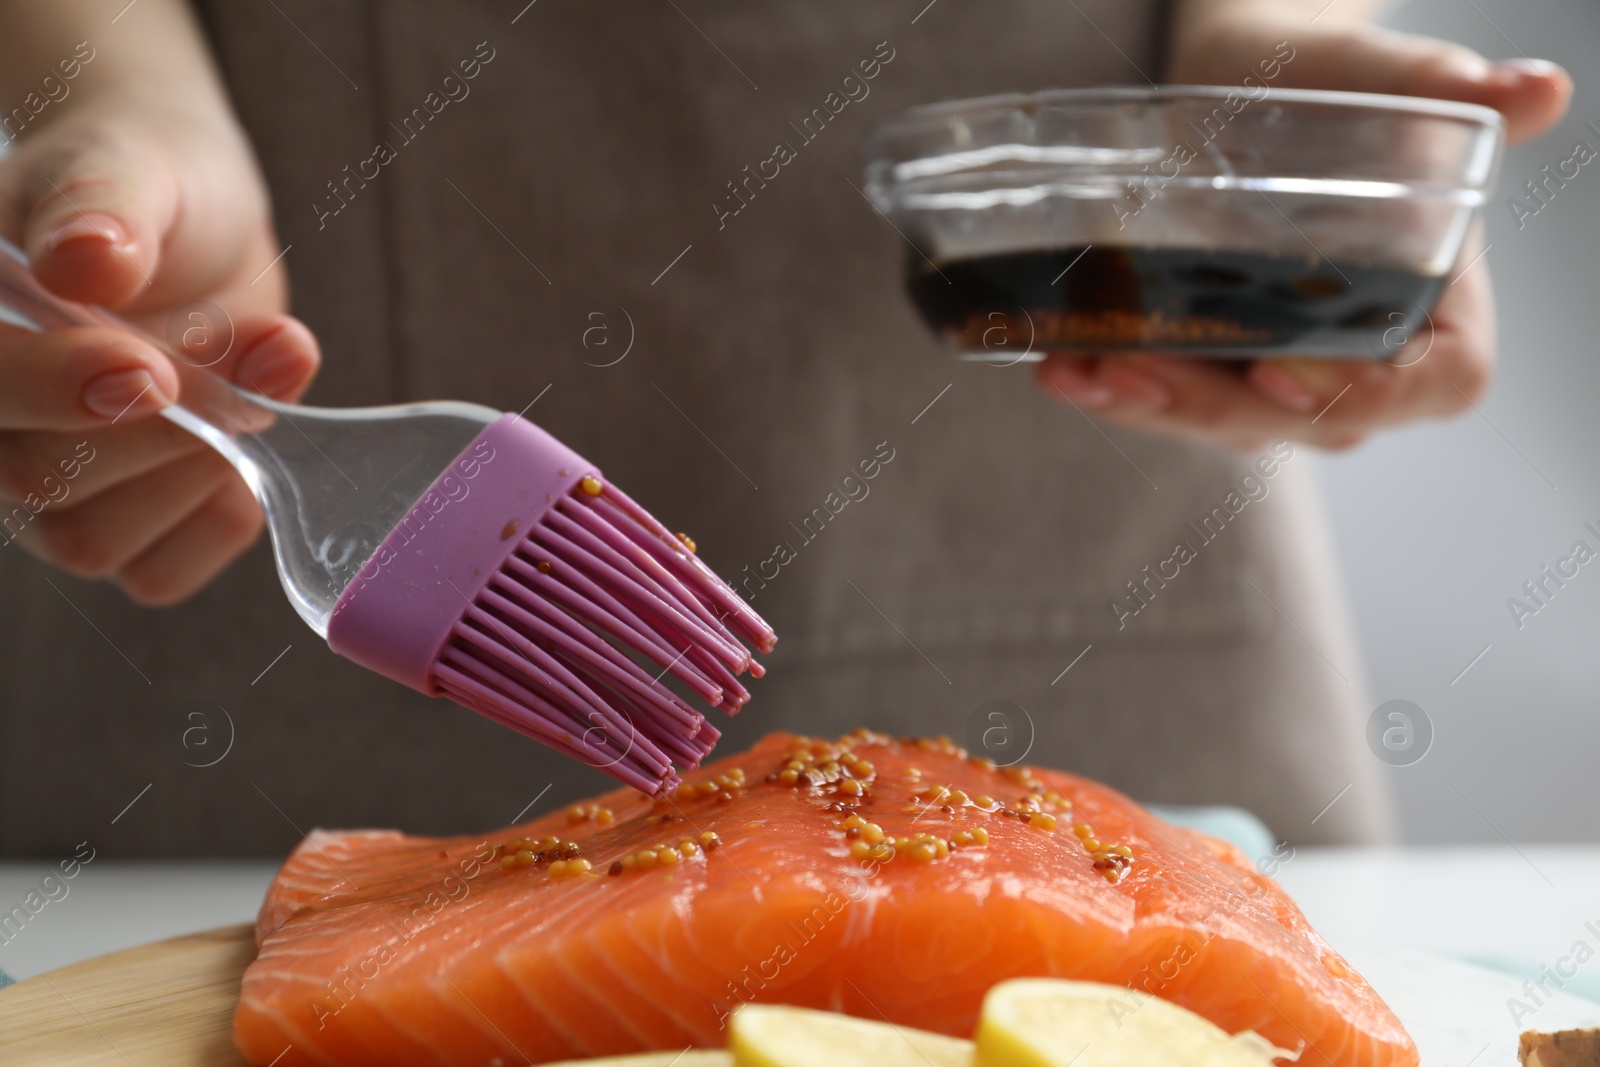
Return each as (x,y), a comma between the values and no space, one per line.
(1332,403)
(144,204)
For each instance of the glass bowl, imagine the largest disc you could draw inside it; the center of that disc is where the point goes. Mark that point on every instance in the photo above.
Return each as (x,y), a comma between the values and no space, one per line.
(1210,221)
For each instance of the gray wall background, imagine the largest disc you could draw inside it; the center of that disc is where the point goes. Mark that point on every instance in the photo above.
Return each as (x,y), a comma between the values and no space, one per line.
(1439,524)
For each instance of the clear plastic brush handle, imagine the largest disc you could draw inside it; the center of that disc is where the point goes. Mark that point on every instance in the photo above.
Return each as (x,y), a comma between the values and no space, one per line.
(332,482)
(211,409)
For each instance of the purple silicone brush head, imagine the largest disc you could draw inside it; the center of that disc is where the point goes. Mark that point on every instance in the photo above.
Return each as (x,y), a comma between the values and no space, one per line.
(517,598)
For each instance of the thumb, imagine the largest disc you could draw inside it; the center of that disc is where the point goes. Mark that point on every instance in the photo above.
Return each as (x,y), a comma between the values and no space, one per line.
(1532,94)
(96,216)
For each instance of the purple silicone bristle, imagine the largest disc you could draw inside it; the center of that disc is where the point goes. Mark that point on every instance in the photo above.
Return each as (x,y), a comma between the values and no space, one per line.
(523,599)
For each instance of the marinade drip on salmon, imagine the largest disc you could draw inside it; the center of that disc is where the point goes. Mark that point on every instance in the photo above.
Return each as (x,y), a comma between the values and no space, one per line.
(887,879)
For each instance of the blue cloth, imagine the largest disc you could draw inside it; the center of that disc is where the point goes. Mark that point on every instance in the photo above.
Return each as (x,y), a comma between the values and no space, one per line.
(1233,825)
(1580,985)
(6,979)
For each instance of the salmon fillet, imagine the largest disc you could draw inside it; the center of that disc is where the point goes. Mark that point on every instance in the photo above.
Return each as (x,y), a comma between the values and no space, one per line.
(887,879)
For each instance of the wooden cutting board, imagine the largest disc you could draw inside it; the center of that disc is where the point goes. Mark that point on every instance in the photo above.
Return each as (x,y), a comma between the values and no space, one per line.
(167,1004)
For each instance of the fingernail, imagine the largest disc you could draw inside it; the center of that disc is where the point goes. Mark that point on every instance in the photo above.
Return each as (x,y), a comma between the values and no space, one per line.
(271,366)
(1284,387)
(124,392)
(90,224)
(1511,71)
(1139,389)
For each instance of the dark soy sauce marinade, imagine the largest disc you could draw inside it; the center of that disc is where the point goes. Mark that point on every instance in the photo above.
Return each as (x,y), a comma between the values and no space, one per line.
(1168,299)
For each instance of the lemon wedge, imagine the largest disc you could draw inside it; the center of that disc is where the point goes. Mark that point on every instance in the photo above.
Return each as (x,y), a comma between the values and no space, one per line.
(1044,1022)
(773,1035)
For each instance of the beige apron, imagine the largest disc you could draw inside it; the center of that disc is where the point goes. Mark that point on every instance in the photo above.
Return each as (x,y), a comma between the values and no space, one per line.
(559,230)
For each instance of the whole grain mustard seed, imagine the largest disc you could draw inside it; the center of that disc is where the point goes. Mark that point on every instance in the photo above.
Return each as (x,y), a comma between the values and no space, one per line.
(724,787)
(667,854)
(830,766)
(1112,864)
(591,813)
(838,776)
(591,485)
(920,848)
(569,868)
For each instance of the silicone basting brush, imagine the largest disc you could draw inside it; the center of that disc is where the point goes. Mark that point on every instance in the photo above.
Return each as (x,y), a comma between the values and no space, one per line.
(469,554)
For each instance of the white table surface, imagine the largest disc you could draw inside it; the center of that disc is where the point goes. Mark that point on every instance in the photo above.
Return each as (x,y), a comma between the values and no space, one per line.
(1511,909)
(112,905)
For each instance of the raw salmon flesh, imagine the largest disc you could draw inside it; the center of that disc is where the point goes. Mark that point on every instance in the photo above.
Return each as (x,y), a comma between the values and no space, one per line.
(892,880)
